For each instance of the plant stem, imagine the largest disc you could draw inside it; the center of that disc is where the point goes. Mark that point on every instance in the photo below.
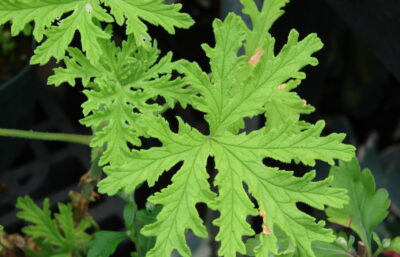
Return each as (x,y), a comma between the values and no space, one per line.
(80,201)
(137,230)
(72,138)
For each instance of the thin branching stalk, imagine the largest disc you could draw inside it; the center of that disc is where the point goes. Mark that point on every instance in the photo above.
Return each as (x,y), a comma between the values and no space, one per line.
(47,136)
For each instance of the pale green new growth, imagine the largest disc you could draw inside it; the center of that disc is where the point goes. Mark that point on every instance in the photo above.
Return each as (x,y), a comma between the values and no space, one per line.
(125,79)
(58,21)
(258,82)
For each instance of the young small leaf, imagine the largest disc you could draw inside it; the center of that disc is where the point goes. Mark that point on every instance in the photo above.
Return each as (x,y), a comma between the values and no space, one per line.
(105,243)
(135,220)
(332,249)
(367,208)
(60,236)
(43,225)
(395,245)
(284,246)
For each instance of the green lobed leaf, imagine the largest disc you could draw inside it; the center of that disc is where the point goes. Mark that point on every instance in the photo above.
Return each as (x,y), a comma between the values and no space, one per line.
(135,220)
(252,85)
(132,12)
(82,19)
(43,13)
(120,89)
(239,87)
(43,225)
(105,243)
(57,21)
(261,20)
(189,186)
(282,144)
(59,236)
(259,246)
(367,207)
(395,245)
(325,249)
(77,66)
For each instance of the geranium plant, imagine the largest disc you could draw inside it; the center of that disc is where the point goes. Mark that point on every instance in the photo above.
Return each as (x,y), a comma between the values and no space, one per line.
(121,82)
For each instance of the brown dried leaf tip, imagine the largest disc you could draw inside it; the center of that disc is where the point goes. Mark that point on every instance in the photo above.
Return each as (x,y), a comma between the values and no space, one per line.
(255,58)
(281,87)
(265,229)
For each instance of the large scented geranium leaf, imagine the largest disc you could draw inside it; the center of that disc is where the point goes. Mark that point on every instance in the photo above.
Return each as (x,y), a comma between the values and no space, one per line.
(239,87)
(367,207)
(120,89)
(156,12)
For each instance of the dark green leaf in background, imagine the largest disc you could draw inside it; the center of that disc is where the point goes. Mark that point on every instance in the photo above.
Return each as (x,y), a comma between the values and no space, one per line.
(367,207)
(105,243)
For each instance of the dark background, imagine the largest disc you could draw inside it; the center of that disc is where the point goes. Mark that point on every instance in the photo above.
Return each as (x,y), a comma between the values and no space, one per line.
(355,88)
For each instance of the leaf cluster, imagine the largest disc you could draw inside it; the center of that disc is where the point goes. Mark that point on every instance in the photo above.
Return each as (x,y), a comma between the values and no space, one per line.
(129,85)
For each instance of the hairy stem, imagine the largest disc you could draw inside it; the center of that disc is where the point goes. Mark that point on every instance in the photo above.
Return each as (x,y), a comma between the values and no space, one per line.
(72,138)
